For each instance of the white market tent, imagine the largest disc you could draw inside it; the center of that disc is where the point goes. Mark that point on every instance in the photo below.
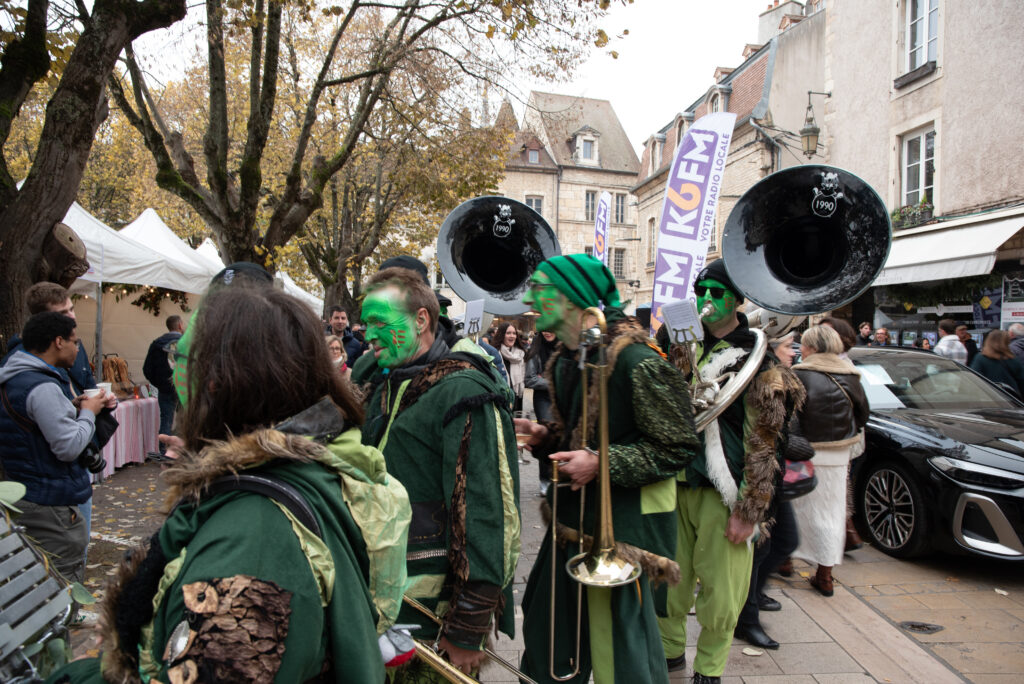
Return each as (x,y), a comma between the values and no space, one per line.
(117,258)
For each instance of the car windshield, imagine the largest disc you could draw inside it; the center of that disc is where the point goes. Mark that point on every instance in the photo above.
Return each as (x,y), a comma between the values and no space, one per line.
(894,380)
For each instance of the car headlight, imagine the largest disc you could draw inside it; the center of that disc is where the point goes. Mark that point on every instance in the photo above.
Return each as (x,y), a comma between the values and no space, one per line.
(977,474)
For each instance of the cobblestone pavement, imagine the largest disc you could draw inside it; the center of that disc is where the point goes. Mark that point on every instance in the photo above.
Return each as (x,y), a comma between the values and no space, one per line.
(853,637)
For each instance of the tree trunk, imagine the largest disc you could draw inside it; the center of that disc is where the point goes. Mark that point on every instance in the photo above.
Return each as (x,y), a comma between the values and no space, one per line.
(73,114)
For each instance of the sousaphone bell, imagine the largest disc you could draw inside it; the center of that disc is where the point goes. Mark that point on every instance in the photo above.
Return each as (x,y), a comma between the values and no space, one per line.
(806,240)
(488,248)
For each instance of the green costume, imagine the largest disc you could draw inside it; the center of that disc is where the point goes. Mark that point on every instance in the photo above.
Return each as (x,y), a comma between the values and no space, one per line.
(443,425)
(652,438)
(234,588)
(734,473)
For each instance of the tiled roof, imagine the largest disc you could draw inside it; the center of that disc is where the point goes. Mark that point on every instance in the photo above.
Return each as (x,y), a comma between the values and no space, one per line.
(558,117)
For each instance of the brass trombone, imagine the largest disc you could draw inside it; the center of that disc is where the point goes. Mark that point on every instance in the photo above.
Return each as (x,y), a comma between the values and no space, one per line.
(600,565)
(445,668)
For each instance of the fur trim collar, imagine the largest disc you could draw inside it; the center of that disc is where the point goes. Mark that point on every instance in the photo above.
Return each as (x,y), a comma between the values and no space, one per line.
(827,363)
(621,334)
(193,473)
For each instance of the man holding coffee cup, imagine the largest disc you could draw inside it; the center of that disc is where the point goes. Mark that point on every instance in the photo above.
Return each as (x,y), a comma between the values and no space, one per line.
(46,441)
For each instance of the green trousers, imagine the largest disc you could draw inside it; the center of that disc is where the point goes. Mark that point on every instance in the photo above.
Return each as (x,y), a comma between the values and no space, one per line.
(619,639)
(723,568)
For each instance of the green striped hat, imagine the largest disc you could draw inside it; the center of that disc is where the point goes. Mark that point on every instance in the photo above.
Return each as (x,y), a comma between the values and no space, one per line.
(583,279)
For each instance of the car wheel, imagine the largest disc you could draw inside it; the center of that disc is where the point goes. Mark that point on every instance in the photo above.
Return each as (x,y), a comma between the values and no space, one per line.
(893,508)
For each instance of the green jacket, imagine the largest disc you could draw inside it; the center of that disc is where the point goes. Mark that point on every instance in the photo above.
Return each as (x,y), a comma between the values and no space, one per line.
(651,435)
(443,425)
(262,595)
(752,428)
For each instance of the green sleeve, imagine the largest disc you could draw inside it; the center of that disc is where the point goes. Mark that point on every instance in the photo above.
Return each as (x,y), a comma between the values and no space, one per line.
(668,442)
(250,537)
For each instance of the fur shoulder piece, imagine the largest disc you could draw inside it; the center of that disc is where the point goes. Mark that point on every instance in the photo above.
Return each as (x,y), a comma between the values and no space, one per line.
(194,472)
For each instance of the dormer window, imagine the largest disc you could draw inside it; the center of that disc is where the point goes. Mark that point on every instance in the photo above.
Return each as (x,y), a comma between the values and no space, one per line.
(533,156)
(585,148)
(715,104)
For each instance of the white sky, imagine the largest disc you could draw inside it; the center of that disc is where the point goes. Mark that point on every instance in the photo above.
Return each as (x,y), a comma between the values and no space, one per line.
(667,61)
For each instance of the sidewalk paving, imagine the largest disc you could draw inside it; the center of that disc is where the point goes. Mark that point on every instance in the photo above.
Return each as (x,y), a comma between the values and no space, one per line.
(853,637)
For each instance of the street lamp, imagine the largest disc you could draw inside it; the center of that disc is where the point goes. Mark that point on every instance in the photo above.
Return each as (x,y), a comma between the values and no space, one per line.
(809,133)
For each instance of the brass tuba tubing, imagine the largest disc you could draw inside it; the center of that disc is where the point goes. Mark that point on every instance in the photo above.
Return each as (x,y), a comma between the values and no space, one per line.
(434,656)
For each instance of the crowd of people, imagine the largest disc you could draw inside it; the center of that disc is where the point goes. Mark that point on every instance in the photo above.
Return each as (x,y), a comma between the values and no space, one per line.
(346,488)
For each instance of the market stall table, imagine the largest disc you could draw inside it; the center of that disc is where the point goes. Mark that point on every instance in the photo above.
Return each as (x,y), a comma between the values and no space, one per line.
(138,426)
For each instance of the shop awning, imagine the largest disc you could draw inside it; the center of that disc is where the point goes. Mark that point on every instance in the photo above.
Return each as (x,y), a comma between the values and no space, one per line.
(947,251)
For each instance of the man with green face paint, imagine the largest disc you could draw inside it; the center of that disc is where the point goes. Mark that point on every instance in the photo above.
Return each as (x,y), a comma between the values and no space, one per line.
(724,493)
(651,438)
(441,418)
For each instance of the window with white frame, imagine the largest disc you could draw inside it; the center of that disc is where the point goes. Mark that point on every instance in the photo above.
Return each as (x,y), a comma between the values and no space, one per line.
(922,32)
(918,166)
(619,263)
(588,149)
(590,206)
(652,240)
(535,202)
(715,103)
(620,208)
(533,156)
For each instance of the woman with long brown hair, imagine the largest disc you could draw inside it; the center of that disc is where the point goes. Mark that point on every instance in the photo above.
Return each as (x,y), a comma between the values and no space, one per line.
(513,353)
(997,363)
(293,580)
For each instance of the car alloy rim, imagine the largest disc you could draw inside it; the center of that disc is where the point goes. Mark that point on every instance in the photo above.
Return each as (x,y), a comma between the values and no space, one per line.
(889,508)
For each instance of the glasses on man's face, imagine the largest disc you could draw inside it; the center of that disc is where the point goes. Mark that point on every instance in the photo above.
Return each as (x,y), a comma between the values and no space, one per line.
(716,292)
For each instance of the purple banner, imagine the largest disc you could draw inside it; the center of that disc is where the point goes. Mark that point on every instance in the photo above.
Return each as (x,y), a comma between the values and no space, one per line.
(601,228)
(688,214)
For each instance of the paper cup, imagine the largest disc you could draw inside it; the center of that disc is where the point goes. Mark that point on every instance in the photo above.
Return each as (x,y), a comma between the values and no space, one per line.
(93,392)
(105,386)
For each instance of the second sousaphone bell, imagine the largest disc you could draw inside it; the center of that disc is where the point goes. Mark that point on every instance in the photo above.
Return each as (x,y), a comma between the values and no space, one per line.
(806,239)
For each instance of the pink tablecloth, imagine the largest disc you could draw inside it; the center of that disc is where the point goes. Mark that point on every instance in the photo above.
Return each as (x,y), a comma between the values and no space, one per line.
(139,423)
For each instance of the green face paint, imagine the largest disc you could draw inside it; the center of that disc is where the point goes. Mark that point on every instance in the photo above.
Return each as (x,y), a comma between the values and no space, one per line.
(724,306)
(180,353)
(545,299)
(390,329)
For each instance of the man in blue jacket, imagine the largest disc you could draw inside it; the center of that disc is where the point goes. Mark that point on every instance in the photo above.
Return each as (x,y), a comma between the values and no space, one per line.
(44,439)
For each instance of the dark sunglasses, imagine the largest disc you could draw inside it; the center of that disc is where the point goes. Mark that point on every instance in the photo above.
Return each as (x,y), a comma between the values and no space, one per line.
(716,292)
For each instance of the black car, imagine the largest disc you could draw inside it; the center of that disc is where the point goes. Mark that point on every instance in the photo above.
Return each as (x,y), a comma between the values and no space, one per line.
(944,462)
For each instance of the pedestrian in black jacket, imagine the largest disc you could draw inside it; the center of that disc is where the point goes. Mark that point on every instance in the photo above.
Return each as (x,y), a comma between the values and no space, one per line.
(157,369)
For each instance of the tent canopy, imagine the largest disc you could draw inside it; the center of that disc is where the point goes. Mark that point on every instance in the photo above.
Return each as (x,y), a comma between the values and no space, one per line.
(117,258)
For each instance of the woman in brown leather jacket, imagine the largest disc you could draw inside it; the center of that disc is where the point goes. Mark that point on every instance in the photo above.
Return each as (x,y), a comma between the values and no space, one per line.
(832,418)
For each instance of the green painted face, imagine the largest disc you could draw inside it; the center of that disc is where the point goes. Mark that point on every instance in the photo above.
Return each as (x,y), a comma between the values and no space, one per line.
(545,299)
(390,329)
(724,306)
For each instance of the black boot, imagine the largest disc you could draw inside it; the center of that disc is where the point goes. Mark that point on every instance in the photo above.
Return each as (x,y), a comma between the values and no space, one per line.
(698,678)
(755,636)
(676,664)
(765,602)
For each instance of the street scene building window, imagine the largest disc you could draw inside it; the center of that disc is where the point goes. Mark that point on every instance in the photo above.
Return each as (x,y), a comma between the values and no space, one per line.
(652,240)
(536,203)
(922,32)
(619,263)
(588,149)
(620,208)
(918,167)
(533,156)
(715,104)
(589,250)
(591,205)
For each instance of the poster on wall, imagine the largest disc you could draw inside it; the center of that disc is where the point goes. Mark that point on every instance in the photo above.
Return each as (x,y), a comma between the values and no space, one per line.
(1012,306)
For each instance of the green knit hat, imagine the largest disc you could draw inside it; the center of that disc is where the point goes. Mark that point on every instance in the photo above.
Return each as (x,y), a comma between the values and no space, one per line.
(583,279)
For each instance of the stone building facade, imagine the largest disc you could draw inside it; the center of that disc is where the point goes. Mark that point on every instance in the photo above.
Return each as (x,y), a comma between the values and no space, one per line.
(567,151)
